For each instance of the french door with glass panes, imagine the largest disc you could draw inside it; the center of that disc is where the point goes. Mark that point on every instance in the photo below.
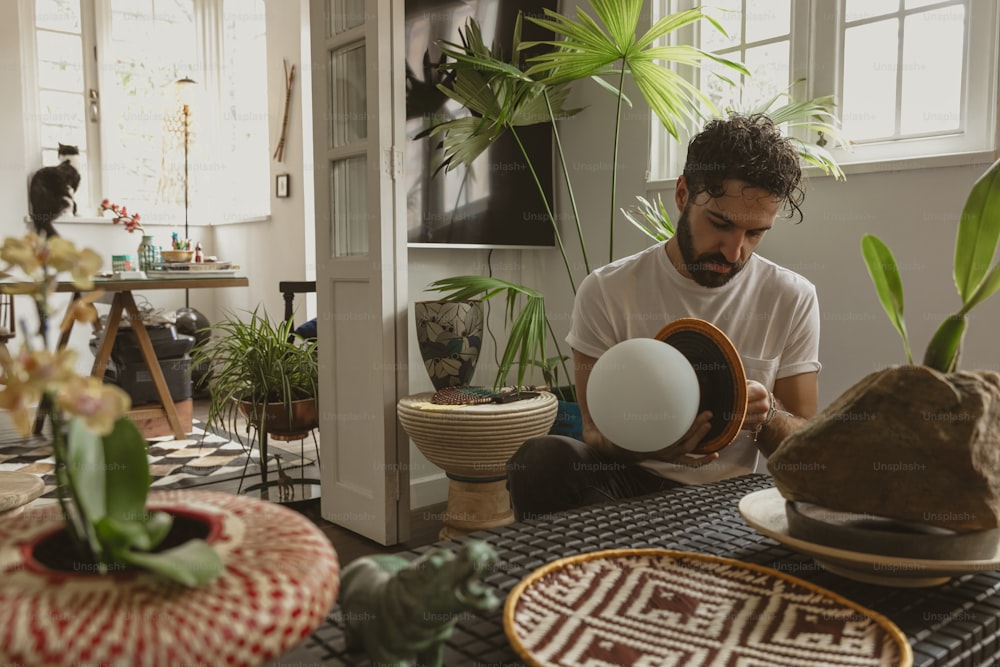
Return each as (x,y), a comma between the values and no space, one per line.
(358,112)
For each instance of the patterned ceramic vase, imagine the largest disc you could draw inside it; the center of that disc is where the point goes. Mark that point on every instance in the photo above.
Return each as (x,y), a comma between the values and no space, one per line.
(280,579)
(449,334)
(147,253)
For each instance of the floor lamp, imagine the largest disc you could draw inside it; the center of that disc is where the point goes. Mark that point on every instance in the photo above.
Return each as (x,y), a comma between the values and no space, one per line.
(182,89)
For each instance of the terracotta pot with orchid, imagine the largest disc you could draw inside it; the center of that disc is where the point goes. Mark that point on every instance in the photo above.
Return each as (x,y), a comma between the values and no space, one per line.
(101,466)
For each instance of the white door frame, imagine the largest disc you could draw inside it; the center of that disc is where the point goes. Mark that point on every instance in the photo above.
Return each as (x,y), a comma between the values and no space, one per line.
(361,277)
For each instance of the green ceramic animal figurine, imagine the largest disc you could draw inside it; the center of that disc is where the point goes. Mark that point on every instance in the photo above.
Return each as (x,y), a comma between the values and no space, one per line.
(398,610)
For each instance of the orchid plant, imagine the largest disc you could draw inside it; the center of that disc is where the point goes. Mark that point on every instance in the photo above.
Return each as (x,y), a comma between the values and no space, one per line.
(101,466)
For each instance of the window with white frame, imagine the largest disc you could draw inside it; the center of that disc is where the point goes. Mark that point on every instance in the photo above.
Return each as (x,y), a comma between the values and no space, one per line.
(913,79)
(107,81)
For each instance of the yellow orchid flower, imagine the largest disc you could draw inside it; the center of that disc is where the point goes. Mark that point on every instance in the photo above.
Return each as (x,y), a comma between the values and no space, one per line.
(99,404)
(81,264)
(19,399)
(44,368)
(25,253)
(81,310)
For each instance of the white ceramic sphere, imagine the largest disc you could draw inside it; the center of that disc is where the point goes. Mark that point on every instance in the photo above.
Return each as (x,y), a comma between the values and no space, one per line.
(643,394)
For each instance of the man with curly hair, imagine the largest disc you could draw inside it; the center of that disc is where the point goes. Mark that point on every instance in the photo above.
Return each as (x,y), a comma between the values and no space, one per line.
(740,174)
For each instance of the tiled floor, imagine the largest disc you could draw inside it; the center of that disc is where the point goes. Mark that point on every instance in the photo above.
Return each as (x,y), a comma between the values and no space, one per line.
(424,521)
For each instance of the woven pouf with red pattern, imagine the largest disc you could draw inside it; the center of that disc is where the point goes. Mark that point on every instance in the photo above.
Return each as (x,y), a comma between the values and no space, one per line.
(280,580)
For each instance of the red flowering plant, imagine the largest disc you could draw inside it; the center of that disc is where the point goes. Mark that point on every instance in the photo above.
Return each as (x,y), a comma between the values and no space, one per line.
(131,220)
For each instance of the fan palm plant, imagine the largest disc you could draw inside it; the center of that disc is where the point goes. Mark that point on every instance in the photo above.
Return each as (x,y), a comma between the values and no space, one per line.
(503,97)
(812,115)
(607,50)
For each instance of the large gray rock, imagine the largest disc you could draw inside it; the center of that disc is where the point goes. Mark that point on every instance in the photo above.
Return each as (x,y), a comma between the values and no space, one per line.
(906,442)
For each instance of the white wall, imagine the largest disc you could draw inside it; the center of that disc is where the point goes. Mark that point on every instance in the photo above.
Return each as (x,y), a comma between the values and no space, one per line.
(13,167)
(913,211)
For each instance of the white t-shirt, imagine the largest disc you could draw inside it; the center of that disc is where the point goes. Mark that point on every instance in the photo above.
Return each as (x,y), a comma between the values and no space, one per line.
(770,313)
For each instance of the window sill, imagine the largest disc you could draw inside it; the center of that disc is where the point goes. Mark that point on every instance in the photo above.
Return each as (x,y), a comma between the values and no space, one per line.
(98,220)
(876,166)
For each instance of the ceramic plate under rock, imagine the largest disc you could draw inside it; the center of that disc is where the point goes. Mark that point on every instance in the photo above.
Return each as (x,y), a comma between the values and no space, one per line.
(660,607)
(890,537)
(764,511)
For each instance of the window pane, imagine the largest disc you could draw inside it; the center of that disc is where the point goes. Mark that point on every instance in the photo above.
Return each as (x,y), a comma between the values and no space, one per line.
(869,106)
(60,61)
(855,10)
(729,16)
(349,207)
(151,46)
(62,121)
(63,15)
(244,103)
(722,94)
(932,85)
(349,103)
(344,15)
(766,19)
(769,66)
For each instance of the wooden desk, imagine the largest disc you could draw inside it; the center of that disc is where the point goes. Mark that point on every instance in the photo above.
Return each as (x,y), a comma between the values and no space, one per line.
(124,301)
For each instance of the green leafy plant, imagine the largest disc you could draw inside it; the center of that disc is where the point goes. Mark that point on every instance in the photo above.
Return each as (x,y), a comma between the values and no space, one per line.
(808,115)
(975,279)
(257,362)
(814,115)
(529,326)
(101,466)
(651,219)
(502,97)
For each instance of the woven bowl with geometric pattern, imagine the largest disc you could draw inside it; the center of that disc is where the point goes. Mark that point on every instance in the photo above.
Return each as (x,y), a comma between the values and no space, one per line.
(665,607)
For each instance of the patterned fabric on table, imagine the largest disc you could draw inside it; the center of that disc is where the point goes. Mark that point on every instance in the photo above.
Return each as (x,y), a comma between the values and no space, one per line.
(658,607)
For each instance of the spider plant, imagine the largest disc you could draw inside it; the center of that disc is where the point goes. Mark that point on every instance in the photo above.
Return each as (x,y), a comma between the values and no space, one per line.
(975,248)
(256,362)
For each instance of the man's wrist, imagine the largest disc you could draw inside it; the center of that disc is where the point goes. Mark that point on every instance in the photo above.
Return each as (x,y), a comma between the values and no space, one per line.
(771,410)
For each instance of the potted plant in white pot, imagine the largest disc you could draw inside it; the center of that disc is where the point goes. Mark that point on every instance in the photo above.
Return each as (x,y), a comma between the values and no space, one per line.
(110,554)
(264,380)
(502,98)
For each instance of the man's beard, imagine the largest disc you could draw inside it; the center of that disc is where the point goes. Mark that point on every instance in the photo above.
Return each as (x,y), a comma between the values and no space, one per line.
(697,266)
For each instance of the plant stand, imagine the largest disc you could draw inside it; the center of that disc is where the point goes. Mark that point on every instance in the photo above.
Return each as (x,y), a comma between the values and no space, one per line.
(303,422)
(290,489)
(472,444)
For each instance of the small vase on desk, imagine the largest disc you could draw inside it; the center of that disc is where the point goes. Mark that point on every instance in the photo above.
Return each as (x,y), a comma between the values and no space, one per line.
(147,253)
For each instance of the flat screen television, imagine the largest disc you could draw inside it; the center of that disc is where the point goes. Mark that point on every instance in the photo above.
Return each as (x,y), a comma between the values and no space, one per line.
(495,202)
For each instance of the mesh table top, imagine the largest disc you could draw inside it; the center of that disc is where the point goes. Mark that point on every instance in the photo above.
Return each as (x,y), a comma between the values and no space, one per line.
(957,623)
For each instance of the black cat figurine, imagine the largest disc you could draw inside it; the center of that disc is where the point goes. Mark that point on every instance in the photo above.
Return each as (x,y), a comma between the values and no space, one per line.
(50,193)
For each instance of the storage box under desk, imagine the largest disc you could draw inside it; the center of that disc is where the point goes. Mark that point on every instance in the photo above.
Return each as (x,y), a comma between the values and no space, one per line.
(152,419)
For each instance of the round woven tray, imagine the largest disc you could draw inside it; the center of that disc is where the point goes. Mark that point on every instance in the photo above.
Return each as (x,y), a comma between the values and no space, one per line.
(659,606)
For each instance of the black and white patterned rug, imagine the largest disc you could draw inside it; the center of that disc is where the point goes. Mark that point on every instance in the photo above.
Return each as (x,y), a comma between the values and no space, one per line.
(203,458)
